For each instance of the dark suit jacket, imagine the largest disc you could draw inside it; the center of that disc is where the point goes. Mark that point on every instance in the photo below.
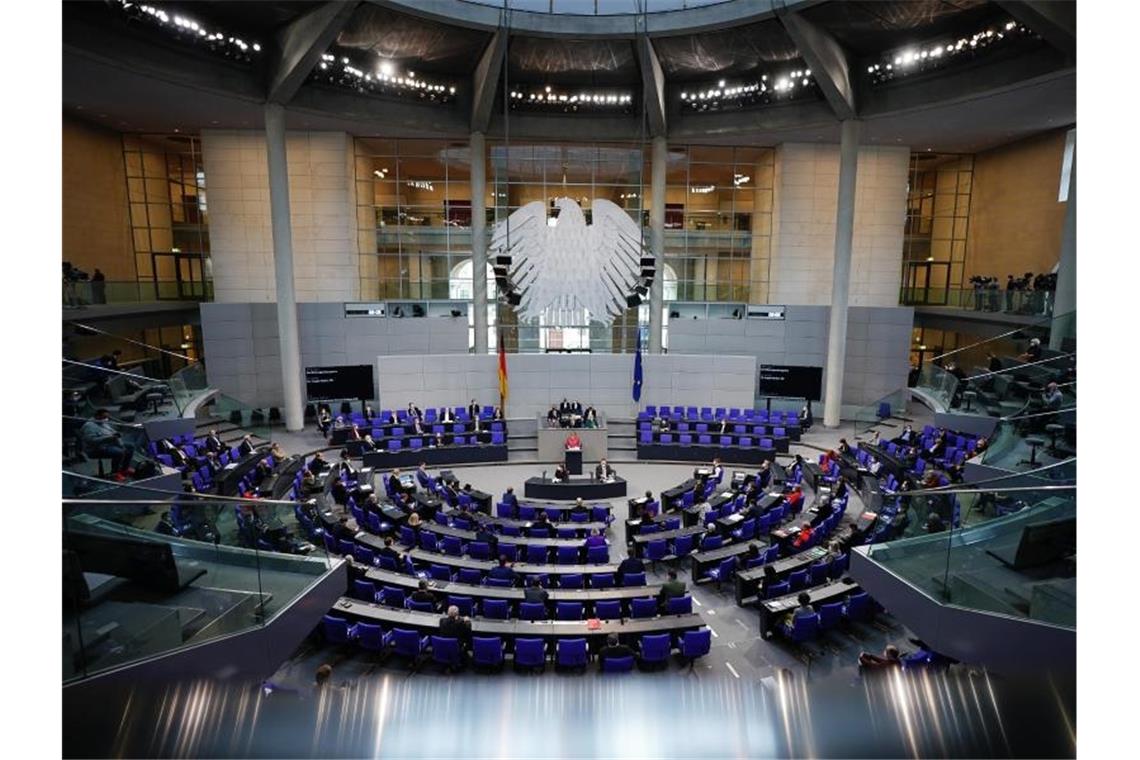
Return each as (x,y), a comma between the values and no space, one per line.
(535,594)
(610,471)
(672,588)
(455,628)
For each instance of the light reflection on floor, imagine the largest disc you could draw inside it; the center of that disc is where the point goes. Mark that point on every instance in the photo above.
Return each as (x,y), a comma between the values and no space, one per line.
(921,715)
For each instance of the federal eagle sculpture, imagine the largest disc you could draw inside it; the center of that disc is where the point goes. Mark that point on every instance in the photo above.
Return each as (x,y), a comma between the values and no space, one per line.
(567,264)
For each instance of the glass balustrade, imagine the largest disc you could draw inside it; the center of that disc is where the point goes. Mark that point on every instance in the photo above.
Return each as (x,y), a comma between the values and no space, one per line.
(1019,559)
(134,589)
(1028,303)
(866,417)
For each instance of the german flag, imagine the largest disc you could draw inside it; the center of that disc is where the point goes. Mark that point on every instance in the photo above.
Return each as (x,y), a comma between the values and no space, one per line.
(503,385)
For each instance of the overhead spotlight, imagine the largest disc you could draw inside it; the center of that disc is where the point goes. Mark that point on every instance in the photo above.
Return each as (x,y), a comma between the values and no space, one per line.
(386,68)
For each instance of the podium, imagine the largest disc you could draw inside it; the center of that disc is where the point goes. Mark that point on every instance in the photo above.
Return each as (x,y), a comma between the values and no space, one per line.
(574,461)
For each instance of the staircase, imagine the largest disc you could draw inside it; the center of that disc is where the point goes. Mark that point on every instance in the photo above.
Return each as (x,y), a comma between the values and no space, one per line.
(622,440)
(522,440)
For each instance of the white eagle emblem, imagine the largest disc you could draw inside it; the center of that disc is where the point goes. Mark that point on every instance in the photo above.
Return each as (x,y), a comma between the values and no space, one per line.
(570,264)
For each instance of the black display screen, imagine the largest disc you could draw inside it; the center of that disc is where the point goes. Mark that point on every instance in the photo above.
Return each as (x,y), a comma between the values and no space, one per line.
(331,383)
(792,382)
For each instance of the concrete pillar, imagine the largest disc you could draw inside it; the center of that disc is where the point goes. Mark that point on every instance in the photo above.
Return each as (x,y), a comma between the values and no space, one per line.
(280,222)
(1065,301)
(659,160)
(478,146)
(841,274)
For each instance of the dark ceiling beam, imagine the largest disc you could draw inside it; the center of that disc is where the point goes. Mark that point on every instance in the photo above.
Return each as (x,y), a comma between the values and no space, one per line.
(827,60)
(1055,22)
(652,86)
(300,45)
(485,82)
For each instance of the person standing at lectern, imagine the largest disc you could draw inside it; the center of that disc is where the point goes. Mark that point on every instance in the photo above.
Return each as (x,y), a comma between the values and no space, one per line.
(573,442)
(603,471)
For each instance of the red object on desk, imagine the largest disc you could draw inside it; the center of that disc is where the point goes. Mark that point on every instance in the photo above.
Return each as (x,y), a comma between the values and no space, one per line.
(593,624)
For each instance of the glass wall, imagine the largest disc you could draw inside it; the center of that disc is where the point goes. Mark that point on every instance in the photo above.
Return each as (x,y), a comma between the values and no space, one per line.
(166,188)
(937,224)
(414,223)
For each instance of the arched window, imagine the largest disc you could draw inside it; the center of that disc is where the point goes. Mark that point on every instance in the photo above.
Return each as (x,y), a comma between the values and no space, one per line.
(460,287)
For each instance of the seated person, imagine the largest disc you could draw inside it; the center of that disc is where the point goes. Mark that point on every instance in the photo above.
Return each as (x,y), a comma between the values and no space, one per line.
(573,442)
(579,507)
(1033,352)
(101,440)
(753,553)
(213,443)
(510,499)
(473,409)
(484,535)
(414,520)
(764,476)
(452,626)
(844,447)
(603,471)
(414,411)
(613,650)
(422,595)
(887,660)
(503,572)
(717,470)
(802,537)
(388,550)
(806,416)
(595,539)
(591,415)
(317,463)
(671,588)
(497,414)
(552,417)
(417,427)
(803,610)
(324,421)
(769,580)
(368,413)
(309,484)
(339,492)
(541,520)
(795,500)
(535,593)
(629,566)
(446,415)
(561,475)
(246,447)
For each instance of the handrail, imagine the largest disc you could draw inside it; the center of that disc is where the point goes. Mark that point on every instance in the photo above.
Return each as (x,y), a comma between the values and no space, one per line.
(134,342)
(943,490)
(1039,414)
(1021,366)
(101,368)
(133,425)
(1003,335)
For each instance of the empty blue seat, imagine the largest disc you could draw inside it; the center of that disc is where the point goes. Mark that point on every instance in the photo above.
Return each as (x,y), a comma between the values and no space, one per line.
(608,609)
(798,579)
(602,580)
(819,572)
(711,541)
(470,575)
(371,637)
(532,611)
(654,649)
(657,550)
(420,606)
(571,653)
(568,611)
(694,644)
(487,651)
(536,554)
(496,609)
(530,653)
(779,589)
(439,572)
(406,643)
(392,597)
(572,580)
(446,651)
(679,605)
(723,571)
(428,540)
(859,607)
(567,555)
(830,615)
(337,630)
(682,545)
(526,512)
(479,550)
(643,607)
(363,589)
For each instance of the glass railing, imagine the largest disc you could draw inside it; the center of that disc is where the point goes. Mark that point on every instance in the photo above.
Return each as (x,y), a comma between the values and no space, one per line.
(85,456)
(1029,303)
(186,384)
(938,383)
(134,589)
(865,418)
(1033,438)
(253,420)
(1020,562)
(78,295)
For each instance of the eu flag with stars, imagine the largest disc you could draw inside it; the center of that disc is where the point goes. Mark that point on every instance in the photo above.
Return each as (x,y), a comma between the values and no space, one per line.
(637,369)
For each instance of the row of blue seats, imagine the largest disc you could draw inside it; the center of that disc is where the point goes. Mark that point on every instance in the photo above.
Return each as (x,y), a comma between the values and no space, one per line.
(501,609)
(429,415)
(737,428)
(530,512)
(529,653)
(532,553)
(719,413)
(706,439)
(815,575)
(420,442)
(859,607)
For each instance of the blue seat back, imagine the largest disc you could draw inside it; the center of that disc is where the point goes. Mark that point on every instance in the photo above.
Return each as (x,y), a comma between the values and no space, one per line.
(406,643)
(445,650)
(602,580)
(696,643)
(571,652)
(655,647)
(530,652)
(643,607)
(532,611)
(632,579)
(568,611)
(679,605)
(487,650)
(608,609)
